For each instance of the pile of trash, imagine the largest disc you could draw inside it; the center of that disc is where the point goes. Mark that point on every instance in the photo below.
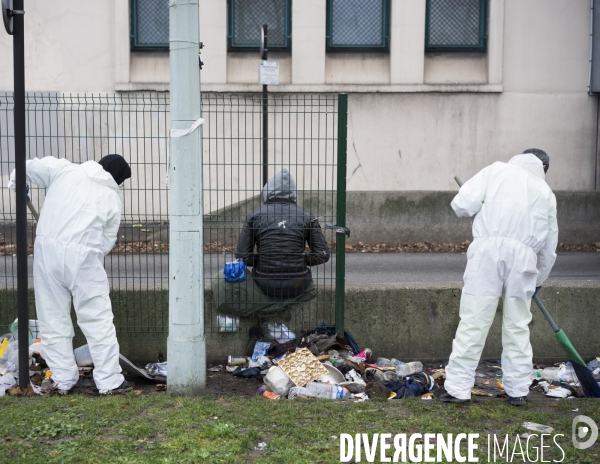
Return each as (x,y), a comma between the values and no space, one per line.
(40,376)
(560,380)
(321,364)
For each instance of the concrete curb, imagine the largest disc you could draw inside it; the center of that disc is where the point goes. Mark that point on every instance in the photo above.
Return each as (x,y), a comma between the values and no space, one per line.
(410,321)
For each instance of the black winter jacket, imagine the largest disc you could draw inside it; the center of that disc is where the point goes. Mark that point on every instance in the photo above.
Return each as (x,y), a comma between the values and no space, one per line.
(280,229)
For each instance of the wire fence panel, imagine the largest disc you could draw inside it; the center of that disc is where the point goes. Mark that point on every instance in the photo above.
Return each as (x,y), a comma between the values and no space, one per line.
(82,127)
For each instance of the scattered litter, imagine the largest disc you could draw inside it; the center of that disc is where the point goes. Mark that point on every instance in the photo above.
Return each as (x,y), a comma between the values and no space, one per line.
(83,357)
(236,361)
(353,376)
(594,364)
(129,367)
(280,332)
(260,349)
(155,370)
(278,381)
(558,392)
(261,446)
(537,427)
(160,387)
(227,323)
(575,410)
(302,367)
(333,376)
(320,364)
(360,397)
(270,395)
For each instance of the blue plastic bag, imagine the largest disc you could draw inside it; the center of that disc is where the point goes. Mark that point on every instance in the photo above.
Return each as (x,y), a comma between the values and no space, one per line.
(235,271)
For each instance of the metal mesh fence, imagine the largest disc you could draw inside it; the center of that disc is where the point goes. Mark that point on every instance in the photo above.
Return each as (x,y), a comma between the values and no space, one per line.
(455,23)
(87,127)
(150,23)
(248,16)
(357,23)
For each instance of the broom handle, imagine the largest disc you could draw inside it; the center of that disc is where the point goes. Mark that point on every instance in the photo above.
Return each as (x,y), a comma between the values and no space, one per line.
(546,314)
(33,211)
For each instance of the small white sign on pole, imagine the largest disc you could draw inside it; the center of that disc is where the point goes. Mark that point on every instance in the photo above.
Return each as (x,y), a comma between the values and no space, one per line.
(268,72)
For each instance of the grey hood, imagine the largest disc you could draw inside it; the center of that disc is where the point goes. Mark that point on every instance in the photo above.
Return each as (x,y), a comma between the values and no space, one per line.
(280,187)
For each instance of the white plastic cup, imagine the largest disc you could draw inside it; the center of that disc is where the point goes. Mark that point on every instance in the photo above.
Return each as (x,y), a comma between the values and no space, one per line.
(83,357)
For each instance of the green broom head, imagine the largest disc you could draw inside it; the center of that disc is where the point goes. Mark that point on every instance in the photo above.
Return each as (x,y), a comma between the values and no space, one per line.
(585,377)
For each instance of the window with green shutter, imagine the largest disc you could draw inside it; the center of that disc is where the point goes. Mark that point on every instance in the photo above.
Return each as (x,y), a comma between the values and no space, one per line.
(358,25)
(149,24)
(456,25)
(246,18)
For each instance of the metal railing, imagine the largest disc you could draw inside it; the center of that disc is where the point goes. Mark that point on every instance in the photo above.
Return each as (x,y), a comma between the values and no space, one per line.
(81,127)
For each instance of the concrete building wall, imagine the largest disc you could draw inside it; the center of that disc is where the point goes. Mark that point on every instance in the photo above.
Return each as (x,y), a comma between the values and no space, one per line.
(416,119)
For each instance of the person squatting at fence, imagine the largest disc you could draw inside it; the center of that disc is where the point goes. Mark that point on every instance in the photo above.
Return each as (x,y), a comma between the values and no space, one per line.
(78,226)
(281,276)
(515,234)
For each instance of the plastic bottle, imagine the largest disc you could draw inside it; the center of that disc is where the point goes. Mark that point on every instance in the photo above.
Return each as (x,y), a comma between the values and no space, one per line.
(9,362)
(536,374)
(409,368)
(396,362)
(563,373)
(295,391)
(384,362)
(323,390)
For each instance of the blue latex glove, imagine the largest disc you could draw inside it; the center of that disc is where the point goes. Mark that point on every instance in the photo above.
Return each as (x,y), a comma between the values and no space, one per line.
(537,289)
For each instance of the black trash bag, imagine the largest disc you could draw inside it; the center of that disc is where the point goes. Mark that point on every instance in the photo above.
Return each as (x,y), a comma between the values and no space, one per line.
(247,373)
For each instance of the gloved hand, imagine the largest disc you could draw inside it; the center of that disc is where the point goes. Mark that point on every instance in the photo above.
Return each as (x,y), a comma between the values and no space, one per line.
(12,183)
(537,289)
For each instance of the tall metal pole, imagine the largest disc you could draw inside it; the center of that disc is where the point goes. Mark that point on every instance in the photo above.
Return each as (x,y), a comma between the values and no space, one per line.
(21,207)
(265,111)
(186,344)
(340,240)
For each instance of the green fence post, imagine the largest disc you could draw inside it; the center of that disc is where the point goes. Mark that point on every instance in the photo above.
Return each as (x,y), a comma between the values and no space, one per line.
(340,239)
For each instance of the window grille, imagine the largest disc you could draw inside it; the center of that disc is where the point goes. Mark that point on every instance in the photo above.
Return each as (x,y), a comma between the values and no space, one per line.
(456,25)
(149,24)
(246,17)
(358,24)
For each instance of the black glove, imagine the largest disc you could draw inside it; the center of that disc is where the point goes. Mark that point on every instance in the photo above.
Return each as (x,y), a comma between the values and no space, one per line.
(537,289)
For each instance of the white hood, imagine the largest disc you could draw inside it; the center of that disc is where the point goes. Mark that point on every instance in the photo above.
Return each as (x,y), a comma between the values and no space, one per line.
(530,162)
(98,174)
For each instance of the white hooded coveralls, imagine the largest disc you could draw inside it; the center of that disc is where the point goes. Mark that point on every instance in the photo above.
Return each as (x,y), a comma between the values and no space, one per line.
(514,241)
(78,226)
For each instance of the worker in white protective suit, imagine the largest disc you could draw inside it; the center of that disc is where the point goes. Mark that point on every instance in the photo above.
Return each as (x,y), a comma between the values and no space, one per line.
(78,226)
(514,241)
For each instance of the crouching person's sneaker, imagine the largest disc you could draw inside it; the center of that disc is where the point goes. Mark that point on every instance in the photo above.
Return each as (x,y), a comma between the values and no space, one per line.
(518,400)
(442,395)
(123,388)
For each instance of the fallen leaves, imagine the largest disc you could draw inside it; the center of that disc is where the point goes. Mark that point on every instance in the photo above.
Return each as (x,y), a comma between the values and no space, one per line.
(359,247)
